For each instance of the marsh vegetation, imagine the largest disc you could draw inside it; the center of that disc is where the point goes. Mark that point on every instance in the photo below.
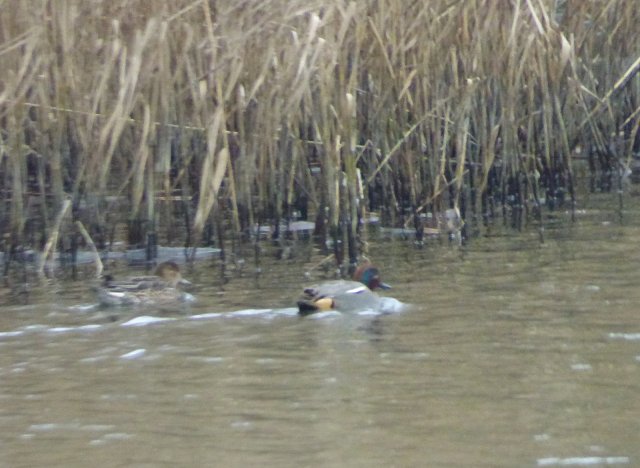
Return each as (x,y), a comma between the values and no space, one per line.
(191,122)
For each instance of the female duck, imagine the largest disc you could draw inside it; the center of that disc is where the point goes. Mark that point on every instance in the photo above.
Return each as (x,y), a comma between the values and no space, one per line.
(161,289)
(349,296)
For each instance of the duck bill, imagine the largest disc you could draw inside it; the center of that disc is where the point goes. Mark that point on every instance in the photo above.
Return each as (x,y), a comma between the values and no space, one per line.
(185,282)
(384,286)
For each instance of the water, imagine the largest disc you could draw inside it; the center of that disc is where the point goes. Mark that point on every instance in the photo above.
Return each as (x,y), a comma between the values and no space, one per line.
(516,353)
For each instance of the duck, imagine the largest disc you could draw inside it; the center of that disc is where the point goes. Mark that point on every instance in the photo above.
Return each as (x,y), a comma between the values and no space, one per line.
(349,295)
(160,289)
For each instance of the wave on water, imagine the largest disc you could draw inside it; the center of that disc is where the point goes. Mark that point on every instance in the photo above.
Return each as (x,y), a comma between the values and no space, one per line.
(262,313)
(135,354)
(583,461)
(144,320)
(88,327)
(625,336)
(390,305)
(148,320)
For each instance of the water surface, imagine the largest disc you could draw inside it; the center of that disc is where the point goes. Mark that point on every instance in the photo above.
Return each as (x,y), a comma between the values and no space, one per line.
(516,353)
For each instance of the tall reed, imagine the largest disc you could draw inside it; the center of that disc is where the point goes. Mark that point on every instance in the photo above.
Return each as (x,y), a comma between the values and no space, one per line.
(236,114)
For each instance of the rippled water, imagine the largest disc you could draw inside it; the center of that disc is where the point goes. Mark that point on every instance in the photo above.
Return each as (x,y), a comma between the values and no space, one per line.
(516,353)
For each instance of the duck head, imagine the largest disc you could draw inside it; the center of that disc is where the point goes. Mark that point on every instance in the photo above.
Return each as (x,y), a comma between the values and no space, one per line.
(170,272)
(369,275)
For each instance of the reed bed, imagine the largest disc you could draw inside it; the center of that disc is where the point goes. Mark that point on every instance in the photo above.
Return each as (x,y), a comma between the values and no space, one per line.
(195,121)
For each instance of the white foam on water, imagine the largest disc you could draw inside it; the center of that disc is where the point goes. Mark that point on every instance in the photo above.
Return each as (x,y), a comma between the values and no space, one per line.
(45,427)
(581,367)
(59,329)
(625,336)
(117,436)
(83,307)
(249,313)
(65,426)
(144,320)
(369,312)
(90,327)
(265,313)
(93,359)
(135,354)
(207,316)
(289,311)
(114,436)
(9,334)
(583,461)
(208,359)
(35,327)
(45,329)
(324,315)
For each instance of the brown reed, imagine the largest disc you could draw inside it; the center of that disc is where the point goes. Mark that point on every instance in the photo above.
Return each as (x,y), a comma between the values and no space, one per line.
(249,112)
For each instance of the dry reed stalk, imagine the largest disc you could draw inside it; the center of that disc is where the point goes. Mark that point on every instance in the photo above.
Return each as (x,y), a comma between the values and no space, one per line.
(92,246)
(53,236)
(620,84)
(213,170)
(139,168)
(116,121)
(17,162)
(450,99)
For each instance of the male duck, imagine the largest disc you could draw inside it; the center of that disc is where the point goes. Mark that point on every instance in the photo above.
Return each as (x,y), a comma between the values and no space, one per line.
(349,296)
(161,289)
